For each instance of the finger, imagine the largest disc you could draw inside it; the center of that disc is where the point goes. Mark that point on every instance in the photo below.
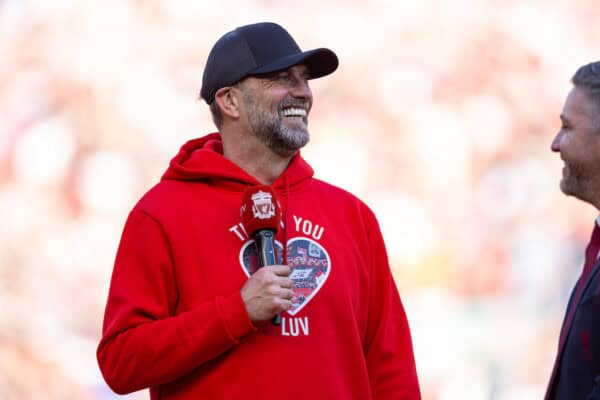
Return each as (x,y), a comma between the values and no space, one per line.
(285,282)
(284,305)
(281,270)
(278,293)
(287,305)
(286,294)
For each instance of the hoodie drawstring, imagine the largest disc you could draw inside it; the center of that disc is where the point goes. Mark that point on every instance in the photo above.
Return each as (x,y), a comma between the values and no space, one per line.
(285,218)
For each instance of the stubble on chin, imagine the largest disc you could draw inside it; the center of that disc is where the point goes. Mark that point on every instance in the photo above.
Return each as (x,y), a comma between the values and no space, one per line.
(290,140)
(578,187)
(569,183)
(271,130)
(565,187)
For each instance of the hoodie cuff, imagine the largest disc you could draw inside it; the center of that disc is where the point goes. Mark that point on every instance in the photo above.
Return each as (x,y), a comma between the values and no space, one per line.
(233,313)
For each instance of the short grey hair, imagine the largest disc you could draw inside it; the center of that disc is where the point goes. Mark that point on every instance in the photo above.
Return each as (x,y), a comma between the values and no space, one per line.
(215,111)
(587,78)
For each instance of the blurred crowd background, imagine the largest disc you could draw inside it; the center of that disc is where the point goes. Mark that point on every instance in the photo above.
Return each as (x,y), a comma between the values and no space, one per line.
(440,117)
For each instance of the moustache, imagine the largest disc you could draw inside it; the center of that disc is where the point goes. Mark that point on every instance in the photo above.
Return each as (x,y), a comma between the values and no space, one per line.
(293,103)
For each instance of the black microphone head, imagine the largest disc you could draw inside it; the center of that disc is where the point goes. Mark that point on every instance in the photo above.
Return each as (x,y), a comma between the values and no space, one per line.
(260,209)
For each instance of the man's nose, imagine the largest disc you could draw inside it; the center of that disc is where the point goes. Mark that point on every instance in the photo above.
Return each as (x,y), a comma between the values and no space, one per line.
(301,89)
(556,142)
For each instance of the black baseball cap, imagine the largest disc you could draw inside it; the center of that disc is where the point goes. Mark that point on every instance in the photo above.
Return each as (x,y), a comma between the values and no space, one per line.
(259,49)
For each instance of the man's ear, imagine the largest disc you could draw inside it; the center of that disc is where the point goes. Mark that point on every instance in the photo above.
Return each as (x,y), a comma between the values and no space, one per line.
(228,100)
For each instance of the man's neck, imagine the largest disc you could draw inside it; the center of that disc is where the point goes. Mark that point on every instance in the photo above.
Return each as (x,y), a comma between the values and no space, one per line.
(254,157)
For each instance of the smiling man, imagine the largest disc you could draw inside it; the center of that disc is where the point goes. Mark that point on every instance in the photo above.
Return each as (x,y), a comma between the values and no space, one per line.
(576,373)
(189,313)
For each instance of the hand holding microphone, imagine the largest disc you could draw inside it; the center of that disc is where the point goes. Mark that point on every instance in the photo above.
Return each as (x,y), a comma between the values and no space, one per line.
(269,290)
(267,293)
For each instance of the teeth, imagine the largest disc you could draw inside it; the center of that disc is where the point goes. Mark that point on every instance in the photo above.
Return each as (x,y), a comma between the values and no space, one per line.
(294,112)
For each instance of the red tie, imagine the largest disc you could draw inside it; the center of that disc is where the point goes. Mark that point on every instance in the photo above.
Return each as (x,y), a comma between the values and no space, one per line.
(591,255)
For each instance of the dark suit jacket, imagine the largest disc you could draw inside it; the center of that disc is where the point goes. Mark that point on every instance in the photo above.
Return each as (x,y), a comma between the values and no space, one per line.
(577,371)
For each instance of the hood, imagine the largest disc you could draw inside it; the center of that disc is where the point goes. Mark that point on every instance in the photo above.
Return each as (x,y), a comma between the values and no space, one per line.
(202,160)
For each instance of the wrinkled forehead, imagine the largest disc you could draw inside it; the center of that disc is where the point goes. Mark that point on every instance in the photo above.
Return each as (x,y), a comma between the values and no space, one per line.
(577,103)
(299,69)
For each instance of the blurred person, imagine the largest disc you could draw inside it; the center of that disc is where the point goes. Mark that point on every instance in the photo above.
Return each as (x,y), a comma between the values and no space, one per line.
(576,372)
(189,316)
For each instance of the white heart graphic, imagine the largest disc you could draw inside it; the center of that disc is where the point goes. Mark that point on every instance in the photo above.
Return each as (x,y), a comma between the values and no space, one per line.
(310,264)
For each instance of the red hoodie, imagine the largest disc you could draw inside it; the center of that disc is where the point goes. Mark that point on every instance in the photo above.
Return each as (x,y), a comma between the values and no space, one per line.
(175,321)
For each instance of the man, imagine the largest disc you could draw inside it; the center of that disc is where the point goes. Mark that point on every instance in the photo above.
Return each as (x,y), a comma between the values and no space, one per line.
(576,374)
(185,315)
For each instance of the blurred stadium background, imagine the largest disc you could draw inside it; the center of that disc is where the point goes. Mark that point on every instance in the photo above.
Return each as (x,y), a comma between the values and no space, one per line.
(440,117)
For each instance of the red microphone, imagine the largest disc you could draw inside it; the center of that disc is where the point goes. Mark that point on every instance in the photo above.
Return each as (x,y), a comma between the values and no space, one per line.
(261,216)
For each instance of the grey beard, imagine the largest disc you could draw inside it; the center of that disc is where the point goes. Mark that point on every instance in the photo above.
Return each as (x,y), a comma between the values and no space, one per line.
(271,130)
(578,184)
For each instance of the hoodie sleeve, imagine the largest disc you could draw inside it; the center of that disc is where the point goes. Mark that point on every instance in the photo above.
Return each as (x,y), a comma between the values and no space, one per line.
(144,343)
(388,349)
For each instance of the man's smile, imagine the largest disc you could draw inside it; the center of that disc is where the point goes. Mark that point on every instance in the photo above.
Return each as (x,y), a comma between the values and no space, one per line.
(294,112)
